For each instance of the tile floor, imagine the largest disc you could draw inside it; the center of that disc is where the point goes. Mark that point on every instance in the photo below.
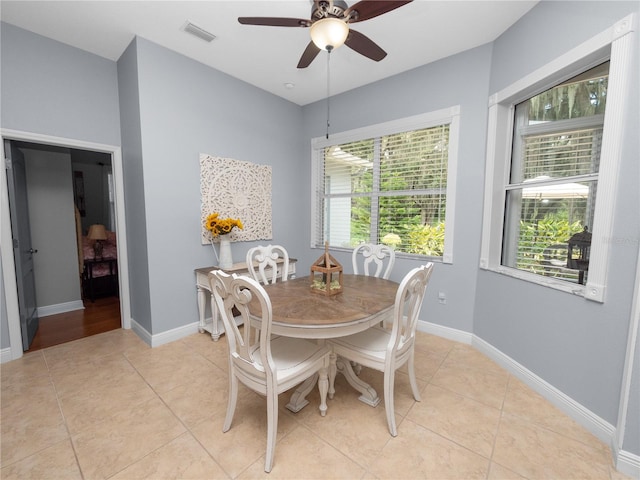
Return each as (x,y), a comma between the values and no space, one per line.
(108,406)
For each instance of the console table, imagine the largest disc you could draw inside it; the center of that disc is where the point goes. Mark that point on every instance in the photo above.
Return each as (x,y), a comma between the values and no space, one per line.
(214,324)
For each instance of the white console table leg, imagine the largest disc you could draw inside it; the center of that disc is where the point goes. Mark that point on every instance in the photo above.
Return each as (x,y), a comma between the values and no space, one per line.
(202,302)
(216,332)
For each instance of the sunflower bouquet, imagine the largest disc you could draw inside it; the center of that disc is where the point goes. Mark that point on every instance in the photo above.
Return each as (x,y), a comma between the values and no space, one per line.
(221,226)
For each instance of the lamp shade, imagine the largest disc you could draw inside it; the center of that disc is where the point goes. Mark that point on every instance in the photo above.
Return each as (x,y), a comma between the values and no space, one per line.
(329,33)
(97,232)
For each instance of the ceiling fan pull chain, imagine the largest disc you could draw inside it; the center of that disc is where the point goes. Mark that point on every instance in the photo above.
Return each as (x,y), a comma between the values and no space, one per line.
(329,48)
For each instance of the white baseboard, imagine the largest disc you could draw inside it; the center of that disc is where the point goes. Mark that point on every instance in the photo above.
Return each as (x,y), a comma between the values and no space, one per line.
(628,463)
(174,334)
(592,422)
(141,332)
(60,308)
(625,462)
(445,332)
(5,355)
(163,337)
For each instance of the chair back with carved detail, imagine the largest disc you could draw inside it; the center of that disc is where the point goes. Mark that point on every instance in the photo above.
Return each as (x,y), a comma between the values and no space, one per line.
(265,364)
(384,349)
(373,260)
(263,264)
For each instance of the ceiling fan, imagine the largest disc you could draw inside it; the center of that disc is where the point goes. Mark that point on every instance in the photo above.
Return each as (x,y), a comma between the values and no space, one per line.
(329,26)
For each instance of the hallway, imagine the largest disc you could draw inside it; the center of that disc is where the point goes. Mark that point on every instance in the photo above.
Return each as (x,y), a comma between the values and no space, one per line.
(100,316)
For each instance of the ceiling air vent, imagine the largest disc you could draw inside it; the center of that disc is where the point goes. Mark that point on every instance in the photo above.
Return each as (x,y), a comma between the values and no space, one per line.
(199,32)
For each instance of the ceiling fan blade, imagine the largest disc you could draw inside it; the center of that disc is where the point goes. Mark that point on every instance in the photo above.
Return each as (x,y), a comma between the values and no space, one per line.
(274,21)
(310,53)
(364,10)
(364,45)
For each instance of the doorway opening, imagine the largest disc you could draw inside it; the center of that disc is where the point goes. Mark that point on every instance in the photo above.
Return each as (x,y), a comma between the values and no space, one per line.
(107,161)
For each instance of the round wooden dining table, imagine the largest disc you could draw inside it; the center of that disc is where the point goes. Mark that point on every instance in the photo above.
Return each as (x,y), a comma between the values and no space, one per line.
(300,312)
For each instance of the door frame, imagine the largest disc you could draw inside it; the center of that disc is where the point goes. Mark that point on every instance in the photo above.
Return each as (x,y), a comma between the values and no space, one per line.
(6,254)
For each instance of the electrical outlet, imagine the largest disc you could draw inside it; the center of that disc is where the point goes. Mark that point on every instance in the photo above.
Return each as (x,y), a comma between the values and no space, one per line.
(442,298)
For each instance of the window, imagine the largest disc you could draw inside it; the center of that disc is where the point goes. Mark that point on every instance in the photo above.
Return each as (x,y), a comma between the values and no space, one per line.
(388,184)
(553,181)
(552,166)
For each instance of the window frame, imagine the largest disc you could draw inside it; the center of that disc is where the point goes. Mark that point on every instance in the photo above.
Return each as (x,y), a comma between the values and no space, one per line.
(616,45)
(449,116)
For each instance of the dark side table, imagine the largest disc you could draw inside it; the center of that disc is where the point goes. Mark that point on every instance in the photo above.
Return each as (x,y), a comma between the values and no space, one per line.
(89,265)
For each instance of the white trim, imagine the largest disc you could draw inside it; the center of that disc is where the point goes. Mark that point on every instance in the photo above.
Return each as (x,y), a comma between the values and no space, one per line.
(60,308)
(168,336)
(445,332)
(627,376)
(5,355)
(586,55)
(446,116)
(8,263)
(9,267)
(498,153)
(610,155)
(550,282)
(596,425)
(424,120)
(627,463)
(139,330)
(452,181)
(174,334)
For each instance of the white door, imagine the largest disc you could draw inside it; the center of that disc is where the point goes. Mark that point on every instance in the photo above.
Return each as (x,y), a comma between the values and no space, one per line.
(22,249)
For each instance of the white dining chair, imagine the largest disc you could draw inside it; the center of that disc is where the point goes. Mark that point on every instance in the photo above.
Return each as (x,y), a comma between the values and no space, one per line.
(387,350)
(268,366)
(368,256)
(262,263)
(372,260)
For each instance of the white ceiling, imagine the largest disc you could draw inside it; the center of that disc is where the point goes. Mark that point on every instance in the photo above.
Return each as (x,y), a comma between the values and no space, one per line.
(416,34)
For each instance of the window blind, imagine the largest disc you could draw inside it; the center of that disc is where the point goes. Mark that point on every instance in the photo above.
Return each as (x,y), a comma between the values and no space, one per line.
(389,189)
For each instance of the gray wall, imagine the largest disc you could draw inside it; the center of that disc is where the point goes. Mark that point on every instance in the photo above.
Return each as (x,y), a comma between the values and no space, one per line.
(134,187)
(432,87)
(185,109)
(631,442)
(52,89)
(574,344)
(48,87)
(53,229)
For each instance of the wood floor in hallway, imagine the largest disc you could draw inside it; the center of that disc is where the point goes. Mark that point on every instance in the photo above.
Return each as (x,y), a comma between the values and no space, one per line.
(99,316)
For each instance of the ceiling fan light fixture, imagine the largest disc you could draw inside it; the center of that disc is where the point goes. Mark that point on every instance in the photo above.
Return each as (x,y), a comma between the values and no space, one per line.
(329,33)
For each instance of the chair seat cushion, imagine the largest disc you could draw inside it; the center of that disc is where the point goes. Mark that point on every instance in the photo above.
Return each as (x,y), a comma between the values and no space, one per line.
(372,342)
(289,353)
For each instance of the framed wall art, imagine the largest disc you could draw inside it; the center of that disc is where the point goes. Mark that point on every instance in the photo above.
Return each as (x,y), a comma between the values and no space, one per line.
(236,189)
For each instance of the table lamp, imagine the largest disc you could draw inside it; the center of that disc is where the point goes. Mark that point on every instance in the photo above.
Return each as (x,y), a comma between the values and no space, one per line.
(98,234)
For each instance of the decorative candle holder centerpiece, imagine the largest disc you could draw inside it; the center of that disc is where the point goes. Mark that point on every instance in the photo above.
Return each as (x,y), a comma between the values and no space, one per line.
(326,274)
(220,228)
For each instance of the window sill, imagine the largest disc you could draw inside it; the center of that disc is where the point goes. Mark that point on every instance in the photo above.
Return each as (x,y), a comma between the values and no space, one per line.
(562,285)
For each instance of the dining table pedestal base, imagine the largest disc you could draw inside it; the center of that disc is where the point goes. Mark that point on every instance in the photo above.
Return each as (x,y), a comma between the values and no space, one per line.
(368,394)
(299,398)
